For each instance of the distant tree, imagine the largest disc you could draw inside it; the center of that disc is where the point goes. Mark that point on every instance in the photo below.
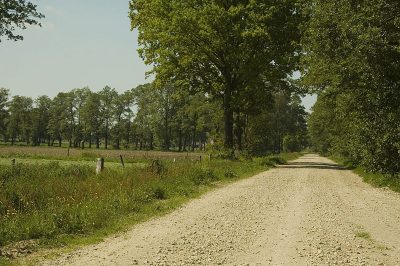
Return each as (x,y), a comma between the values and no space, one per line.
(280,128)
(107,99)
(54,127)
(148,118)
(123,115)
(4,95)
(17,14)
(20,121)
(40,119)
(79,98)
(91,118)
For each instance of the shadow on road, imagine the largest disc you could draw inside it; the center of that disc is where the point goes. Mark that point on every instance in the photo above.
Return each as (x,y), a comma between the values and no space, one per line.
(312,165)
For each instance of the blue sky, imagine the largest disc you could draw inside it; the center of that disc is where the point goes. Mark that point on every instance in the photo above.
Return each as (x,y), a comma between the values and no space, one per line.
(81,43)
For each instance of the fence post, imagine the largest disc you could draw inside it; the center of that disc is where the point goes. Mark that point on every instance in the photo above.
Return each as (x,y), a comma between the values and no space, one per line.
(200,158)
(99,165)
(68,151)
(122,161)
(13,162)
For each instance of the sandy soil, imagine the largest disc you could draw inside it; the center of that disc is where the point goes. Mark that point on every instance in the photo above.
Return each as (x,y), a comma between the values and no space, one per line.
(311,212)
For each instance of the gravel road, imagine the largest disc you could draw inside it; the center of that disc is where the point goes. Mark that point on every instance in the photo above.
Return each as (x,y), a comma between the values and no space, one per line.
(311,212)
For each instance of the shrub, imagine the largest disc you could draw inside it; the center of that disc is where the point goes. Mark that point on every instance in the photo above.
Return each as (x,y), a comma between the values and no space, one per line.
(230,174)
(202,176)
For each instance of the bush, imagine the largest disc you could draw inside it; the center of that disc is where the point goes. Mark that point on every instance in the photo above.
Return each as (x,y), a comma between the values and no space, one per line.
(201,176)
(272,160)
(158,167)
(230,174)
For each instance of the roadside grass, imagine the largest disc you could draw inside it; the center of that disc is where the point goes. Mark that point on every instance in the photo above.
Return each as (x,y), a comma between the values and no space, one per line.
(67,205)
(90,154)
(375,179)
(91,163)
(363,234)
(366,236)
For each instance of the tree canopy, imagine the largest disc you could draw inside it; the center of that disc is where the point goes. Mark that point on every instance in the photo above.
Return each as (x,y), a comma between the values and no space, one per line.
(228,49)
(17,14)
(352,55)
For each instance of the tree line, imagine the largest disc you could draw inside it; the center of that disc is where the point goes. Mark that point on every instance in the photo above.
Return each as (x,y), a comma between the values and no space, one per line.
(238,58)
(147,118)
(353,59)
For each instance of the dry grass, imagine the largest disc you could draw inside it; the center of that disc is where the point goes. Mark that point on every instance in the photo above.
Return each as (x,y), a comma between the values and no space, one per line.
(77,154)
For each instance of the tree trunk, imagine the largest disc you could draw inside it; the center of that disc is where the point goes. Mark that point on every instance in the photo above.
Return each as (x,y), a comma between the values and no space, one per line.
(97,141)
(184,142)
(106,136)
(180,140)
(194,139)
(167,142)
(128,134)
(151,141)
(228,119)
(239,131)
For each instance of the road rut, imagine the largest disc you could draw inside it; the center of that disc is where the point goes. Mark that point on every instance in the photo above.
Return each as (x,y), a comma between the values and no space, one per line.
(310,212)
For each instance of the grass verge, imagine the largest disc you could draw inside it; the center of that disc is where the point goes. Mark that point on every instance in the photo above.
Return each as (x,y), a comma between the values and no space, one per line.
(375,179)
(58,205)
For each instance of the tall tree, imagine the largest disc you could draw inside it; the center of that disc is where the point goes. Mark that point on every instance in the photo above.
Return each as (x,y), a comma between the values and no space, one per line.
(79,98)
(92,118)
(221,47)
(17,14)
(352,54)
(40,119)
(20,121)
(123,115)
(4,95)
(107,99)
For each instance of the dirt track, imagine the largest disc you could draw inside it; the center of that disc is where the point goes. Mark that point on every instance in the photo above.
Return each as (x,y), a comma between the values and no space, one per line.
(311,212)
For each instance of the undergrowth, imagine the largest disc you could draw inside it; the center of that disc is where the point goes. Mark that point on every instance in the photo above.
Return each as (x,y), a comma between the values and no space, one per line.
(391,181)
(53,202)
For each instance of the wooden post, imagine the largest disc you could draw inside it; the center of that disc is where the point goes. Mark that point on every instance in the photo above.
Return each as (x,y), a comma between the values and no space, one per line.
(209,157)
(99,165)
(13,162)
(122,161)
(200,158)
(68,152)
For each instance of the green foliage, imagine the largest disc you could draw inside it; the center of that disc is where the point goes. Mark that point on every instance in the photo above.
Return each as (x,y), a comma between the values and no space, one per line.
(272,160)
(158,167)
(391,181)
(230,174)
(202,176)
(352,53)
(280,128)
(220,48)
(49,200)
(17,14)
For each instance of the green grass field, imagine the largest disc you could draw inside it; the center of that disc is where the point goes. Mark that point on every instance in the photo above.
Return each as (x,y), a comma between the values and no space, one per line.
(60,202)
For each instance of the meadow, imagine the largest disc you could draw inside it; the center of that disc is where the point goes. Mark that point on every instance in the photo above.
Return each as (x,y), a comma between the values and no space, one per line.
(52,199)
